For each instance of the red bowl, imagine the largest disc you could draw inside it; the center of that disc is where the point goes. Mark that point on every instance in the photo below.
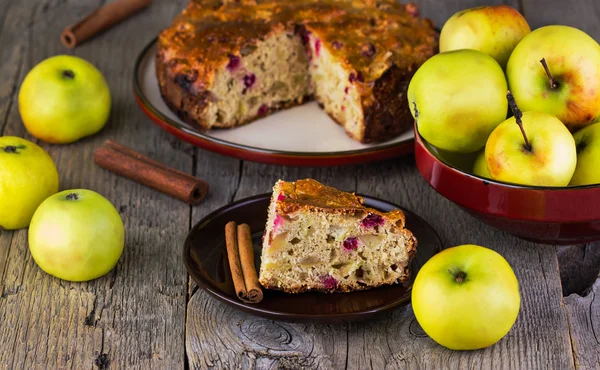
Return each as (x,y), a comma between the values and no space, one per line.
(565,215)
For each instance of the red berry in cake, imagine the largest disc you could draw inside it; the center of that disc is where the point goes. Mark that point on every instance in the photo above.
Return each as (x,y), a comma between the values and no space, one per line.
(372,220)
(368,50)
(352,77)
(346,90)
(317,47)
(263,110)
(350,244)
(277,222)
(280,197)
(412,10)
(359,77)
(337,45)
(329,282)
(234,62)
(249,80)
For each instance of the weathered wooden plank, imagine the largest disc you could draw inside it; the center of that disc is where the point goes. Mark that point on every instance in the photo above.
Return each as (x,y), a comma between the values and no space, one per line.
(584,320)
(133,317)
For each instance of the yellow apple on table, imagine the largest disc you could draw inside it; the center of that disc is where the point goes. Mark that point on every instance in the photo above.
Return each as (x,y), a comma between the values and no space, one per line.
(480,166)
(556,70)
(466,297)
(27,177)
(531,148)
(587,141)
(63,99)
(76,235)
(457,98)
(494,30)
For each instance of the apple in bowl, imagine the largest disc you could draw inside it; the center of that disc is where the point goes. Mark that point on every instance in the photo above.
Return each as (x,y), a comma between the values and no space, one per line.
(556,69)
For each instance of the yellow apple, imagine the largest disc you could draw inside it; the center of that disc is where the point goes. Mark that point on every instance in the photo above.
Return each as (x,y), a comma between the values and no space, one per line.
(27,177)
(587,141)
(76,235)
(545,156)
(63,99)
(480,166)
(457,99)
(466,297)
(494,30)
(570,89)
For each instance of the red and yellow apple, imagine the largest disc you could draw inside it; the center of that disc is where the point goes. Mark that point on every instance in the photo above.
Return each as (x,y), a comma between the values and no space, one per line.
(63,99)
(494,30)
(546,158)
(76,235)
(457,99)
(570,88)
(466,297)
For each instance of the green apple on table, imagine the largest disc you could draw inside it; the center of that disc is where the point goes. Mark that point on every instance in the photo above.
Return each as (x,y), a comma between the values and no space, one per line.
(466,297)
(556,70)
(76,235)
(457,98)
(587,141)
(494,30)
(531,148)
(27,177)
(63,99)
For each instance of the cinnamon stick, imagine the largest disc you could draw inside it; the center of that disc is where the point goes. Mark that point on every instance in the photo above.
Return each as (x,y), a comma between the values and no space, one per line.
(128,163)
(253,290)
(101,19)
(233,256)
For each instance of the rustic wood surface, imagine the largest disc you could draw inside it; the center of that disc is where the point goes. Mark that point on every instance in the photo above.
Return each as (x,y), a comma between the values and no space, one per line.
(148,314)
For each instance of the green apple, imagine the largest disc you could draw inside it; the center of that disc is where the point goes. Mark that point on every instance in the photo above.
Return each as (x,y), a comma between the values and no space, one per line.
(569,89)
(480,166)
(27,177)
(587,141)
(531,148)
(494,30)
(63,99)
(457,99)
(76,235)
(466,297)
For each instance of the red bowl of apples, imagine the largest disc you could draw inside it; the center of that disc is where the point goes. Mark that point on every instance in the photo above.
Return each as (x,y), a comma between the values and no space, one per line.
(551,215)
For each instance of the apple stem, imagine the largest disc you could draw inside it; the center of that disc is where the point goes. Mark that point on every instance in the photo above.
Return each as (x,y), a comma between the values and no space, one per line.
(460,277)
(518,115)
(553,83)
(416,110)
(72,196)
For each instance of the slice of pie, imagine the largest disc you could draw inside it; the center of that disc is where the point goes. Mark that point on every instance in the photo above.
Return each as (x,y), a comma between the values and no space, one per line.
(318,238)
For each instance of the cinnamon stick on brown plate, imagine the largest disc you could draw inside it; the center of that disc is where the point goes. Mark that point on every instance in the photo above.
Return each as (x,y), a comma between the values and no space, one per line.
(101,19)
(238,241)
(128,163)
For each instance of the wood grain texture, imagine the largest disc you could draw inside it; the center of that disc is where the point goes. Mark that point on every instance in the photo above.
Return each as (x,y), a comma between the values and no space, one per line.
(133,317)
(584,321)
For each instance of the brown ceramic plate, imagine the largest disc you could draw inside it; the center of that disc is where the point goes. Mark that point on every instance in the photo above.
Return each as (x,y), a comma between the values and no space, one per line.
(206,261)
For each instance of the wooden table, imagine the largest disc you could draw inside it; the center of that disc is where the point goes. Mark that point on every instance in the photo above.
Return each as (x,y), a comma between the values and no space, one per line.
(147,313)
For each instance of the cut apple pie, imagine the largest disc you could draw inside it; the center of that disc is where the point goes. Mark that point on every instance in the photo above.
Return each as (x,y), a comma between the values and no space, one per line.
(318,238)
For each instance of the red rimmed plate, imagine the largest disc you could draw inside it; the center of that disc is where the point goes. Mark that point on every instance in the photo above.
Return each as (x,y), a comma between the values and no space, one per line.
(205,257)
(300,136)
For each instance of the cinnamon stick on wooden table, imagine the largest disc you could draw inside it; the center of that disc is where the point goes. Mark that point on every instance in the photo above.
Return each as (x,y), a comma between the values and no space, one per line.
(240,254)
(128,163)
(101,19)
